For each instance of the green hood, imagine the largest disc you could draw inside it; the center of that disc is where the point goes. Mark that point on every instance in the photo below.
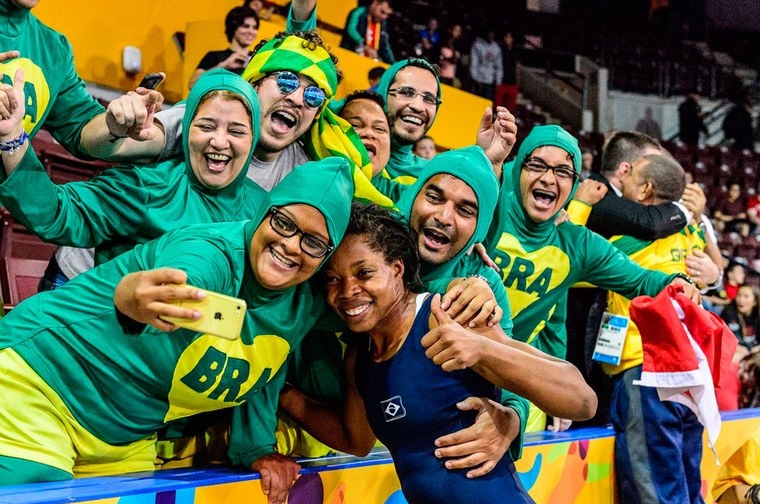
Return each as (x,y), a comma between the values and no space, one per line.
(541,136)
(326,185)
(385,81)
(513,218)
(220,79)
(13,20)
(471,165)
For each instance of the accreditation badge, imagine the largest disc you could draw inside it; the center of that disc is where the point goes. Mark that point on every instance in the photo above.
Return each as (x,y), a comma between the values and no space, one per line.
(609,342)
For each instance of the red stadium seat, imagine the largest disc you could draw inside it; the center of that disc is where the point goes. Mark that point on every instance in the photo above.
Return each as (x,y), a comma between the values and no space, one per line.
(20,278)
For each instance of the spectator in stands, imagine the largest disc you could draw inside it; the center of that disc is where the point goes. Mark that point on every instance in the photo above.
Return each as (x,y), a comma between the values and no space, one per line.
(69,112)
(753,209)
(646,428)
(648,125)
(742,315)
(366,31)
(448,59)
(690,121)
(80,376)
(507,89)
(430,40)
(730,213)
(425,148)
(737,125)
(485,65)
(398,351)
(240,26)
(373,77)
(127,205)
(587,162)
(734,277)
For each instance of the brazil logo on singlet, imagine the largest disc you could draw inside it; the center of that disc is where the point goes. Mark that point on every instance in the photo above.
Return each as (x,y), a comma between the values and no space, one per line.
(393,408)
(36,89)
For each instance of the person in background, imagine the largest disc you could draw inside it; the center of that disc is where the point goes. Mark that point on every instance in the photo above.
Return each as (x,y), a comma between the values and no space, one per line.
(507,89)
(240,26)
(366,31)
(424,147)
(449,57)
(587,162)
(742,315)
(373,77)
(485,65)
(430,40)
(690,120)
(730,213)
(648,125)
(735,275)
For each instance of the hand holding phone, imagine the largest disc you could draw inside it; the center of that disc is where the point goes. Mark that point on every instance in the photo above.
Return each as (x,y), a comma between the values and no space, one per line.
(221,315)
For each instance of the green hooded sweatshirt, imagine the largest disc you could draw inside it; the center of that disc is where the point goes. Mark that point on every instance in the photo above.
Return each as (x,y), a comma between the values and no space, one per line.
(126,205)
(403,162)
(55,95)
(541,261)
(123,384)
(471,165)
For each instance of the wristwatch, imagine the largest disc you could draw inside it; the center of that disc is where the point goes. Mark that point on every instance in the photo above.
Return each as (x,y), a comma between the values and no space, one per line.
(12,146)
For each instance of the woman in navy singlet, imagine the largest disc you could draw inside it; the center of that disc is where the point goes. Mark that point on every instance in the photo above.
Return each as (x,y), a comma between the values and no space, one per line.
(409,365)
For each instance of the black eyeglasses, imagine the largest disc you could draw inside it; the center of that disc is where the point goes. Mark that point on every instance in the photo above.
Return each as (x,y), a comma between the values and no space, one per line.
(288,82)
(409,93)
(284,226)
(538,167)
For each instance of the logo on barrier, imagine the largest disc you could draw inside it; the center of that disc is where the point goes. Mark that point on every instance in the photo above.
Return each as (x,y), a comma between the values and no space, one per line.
(393,408)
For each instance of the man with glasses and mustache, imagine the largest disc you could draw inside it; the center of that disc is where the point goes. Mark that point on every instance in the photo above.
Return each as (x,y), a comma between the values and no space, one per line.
(540,261)
(412,92)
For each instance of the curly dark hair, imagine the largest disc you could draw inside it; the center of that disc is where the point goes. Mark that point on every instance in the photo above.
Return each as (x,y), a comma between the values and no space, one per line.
(312,40)
(388,233)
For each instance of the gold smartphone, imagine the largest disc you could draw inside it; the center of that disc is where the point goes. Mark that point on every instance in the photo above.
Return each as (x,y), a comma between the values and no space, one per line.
(221,315)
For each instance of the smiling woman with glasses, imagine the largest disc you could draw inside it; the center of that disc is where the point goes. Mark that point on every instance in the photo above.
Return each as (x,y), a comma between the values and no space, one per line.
(285,227)
(409,94)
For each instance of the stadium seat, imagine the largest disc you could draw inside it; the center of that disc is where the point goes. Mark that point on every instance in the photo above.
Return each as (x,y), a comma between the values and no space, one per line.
(20,278)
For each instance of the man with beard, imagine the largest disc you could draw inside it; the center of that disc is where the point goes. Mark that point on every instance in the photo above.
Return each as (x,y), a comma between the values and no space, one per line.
(412,93)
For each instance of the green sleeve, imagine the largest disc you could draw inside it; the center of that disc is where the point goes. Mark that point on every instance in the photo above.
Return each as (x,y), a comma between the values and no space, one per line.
(522,408)
(254,423)
(209,263)
(72,109)
(78,214)
(609,268)
(294,25)
(351,31)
